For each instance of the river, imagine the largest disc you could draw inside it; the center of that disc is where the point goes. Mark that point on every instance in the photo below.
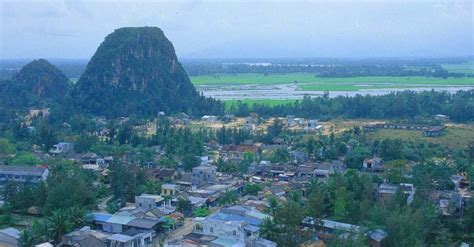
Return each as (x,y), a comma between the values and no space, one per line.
(290,91)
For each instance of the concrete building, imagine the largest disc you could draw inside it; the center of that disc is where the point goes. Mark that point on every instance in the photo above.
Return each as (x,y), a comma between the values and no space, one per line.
(203,175)
(170,189)
(62,148)
(209,118)
(23,174)
(148,202)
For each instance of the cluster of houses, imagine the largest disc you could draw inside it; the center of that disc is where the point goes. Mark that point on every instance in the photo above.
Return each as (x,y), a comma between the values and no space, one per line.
(141,222)
(252,121)
(429,131)
(230,226)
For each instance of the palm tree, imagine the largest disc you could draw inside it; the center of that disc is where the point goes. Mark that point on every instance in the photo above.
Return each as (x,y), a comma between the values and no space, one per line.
(273,204)
(77,216)
(27,238)
(229,197)
(268,229)
(183,205)
(60,224)
(41,230)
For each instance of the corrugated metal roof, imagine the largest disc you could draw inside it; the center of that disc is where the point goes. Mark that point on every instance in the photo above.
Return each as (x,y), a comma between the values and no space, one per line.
(120,219)
(143,223)
(224,242)
(10,231)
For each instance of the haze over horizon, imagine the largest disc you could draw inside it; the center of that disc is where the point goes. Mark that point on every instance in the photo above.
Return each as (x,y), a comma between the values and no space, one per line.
(204,29)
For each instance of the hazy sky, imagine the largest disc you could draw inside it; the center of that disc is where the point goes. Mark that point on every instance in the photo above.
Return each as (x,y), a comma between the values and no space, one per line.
(210,29)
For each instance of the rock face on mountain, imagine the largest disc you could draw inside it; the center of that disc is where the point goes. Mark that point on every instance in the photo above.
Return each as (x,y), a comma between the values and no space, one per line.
(135,71)
(43,80)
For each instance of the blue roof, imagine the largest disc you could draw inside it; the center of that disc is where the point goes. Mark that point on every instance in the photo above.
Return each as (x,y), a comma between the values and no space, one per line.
(99,217)
(231,217)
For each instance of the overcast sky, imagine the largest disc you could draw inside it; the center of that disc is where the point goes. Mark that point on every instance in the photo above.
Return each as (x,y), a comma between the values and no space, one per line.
(244,29)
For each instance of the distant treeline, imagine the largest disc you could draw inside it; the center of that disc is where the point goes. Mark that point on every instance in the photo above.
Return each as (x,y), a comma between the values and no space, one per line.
(323,70)
(407,104)
(73,68)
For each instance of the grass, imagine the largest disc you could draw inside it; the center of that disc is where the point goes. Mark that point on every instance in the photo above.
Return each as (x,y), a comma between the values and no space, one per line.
(249,79)
(457,136)
(467,68)
(454,137)
(309,82)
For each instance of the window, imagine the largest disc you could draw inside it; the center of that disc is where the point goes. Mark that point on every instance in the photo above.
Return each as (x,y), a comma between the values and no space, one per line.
(234,233)
(211,229)
(139,204)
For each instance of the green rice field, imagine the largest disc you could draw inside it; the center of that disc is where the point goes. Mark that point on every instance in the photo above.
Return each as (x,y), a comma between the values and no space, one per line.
(309,82)
(467,68)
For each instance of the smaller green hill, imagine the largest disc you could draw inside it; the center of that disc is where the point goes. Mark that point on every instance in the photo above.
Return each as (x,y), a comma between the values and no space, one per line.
(43,80)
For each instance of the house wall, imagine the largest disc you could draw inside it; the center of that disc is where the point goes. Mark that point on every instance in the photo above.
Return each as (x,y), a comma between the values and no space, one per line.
(106,227)
(169,192)
(117,228)
(120,244)
(145,203)
(202,176)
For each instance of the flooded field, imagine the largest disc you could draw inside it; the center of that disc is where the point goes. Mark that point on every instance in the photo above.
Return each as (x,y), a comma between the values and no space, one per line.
(292,91)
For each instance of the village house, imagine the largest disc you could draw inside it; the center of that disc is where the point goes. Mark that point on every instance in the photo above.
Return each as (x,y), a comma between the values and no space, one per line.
(291,121)
(441,117)
(23,174)
(313,126)
(123,230)
(448,202)
(237,153)
(326,230)
(204,174)
(385,191)
(62,148)
(148,202)
(250,123)
(85,236)
(236,224)
(373,165)
(162,174)
(325,169)
(434,131)
(170,189)
(306,170)
(209,118)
